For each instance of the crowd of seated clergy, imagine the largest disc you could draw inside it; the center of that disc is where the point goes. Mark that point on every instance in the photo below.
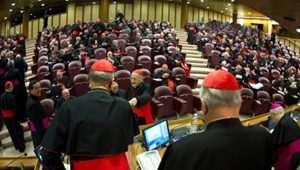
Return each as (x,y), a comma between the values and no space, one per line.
(249,54)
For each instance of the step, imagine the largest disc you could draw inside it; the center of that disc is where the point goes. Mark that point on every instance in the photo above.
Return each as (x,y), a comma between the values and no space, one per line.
(198,75)
(28,73)
(194,55)
(196,60)
(7,142)
(188,45)
(190,48)
(30,64)
(28,77)
(199,70)
(199,65)
(191,52)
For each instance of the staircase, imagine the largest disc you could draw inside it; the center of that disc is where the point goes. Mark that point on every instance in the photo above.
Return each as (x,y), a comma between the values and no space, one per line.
(8,148)
(193,56)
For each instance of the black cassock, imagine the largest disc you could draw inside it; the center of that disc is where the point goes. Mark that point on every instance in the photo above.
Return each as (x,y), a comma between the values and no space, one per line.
(91,126)
(8,105)
(225,145)
(36,114)
(19,92)
(3,62)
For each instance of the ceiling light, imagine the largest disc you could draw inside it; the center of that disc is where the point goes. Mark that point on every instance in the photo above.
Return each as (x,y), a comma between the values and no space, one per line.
(232,0)
(42,4)
(298,29)
(39,0)
(50,9)
(31,14)
(5,17)
(13,4)
(226,8)
(114,2)
(94,3)
(207,7)
(66,0)
(202,1)
(222,11)
(188,2)
(21,11)
(229,4)
(10,10)
(249,13)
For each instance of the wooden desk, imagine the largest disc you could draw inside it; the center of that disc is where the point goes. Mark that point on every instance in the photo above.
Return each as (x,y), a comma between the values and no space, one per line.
(28,162)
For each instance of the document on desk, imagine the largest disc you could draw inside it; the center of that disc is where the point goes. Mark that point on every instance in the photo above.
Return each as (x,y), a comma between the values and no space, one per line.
(149,160)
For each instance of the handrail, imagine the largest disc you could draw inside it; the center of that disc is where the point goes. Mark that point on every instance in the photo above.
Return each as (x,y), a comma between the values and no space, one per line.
(292,43)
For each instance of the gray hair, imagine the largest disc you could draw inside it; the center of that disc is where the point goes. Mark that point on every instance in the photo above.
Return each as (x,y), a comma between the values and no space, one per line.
(100,77)
(215,98)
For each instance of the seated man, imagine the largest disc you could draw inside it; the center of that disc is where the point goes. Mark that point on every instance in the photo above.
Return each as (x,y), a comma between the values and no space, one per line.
(59,83)
(114,59)
(139,97)
(226,144)
(65,96)
(166,76)
(177,59)
(115,91)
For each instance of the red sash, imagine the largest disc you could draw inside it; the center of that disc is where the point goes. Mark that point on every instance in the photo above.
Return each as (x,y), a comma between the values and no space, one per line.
(171,84)
(114,162)
(8,113)
(145,112)
(185,67)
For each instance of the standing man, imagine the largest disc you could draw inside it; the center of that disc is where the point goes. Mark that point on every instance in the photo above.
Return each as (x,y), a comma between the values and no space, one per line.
(226,144)
(38,119)
(8,109)
(139,97)
(95,129)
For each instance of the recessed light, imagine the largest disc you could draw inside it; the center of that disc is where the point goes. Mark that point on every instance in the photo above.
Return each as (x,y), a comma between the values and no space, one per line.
(5,17)
(229,4)
(115,2)
(94,3)
(222,11)
(39,0)
(232,0)
(226,8)
(10,10)
(298,29)
(67,0)
(13,4)
(21,11)
(202,1)
(31,14)
(207,7)
(188,2)
(50,9)
(42,4)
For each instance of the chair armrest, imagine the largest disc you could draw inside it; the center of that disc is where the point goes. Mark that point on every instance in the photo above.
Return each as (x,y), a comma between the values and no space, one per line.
(179,105)
(155,83)
(155,106)
(192,82)
(197,102)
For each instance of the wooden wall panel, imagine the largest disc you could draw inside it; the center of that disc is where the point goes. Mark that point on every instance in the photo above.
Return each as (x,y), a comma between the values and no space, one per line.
(7,27)
(144,9)
(50,24)
(41,24)
(128,11)
(35,27)
(56,20)
(18,29)
(178,15)
(112,11)
(95,12)
(120,7)
(79,13)
(137,9)
(190,14)
(63,19)
(151,11)
(165,11)
(30,29)
(21,28)
(87,13)
(159,8)
(71,13)
(210,15)
(172,14)
(196,14)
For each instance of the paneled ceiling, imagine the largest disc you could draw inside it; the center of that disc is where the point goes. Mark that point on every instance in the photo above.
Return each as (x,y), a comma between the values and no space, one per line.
(285,12)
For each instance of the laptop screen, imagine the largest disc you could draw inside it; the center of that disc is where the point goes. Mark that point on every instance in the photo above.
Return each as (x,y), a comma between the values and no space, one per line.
(156,135)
